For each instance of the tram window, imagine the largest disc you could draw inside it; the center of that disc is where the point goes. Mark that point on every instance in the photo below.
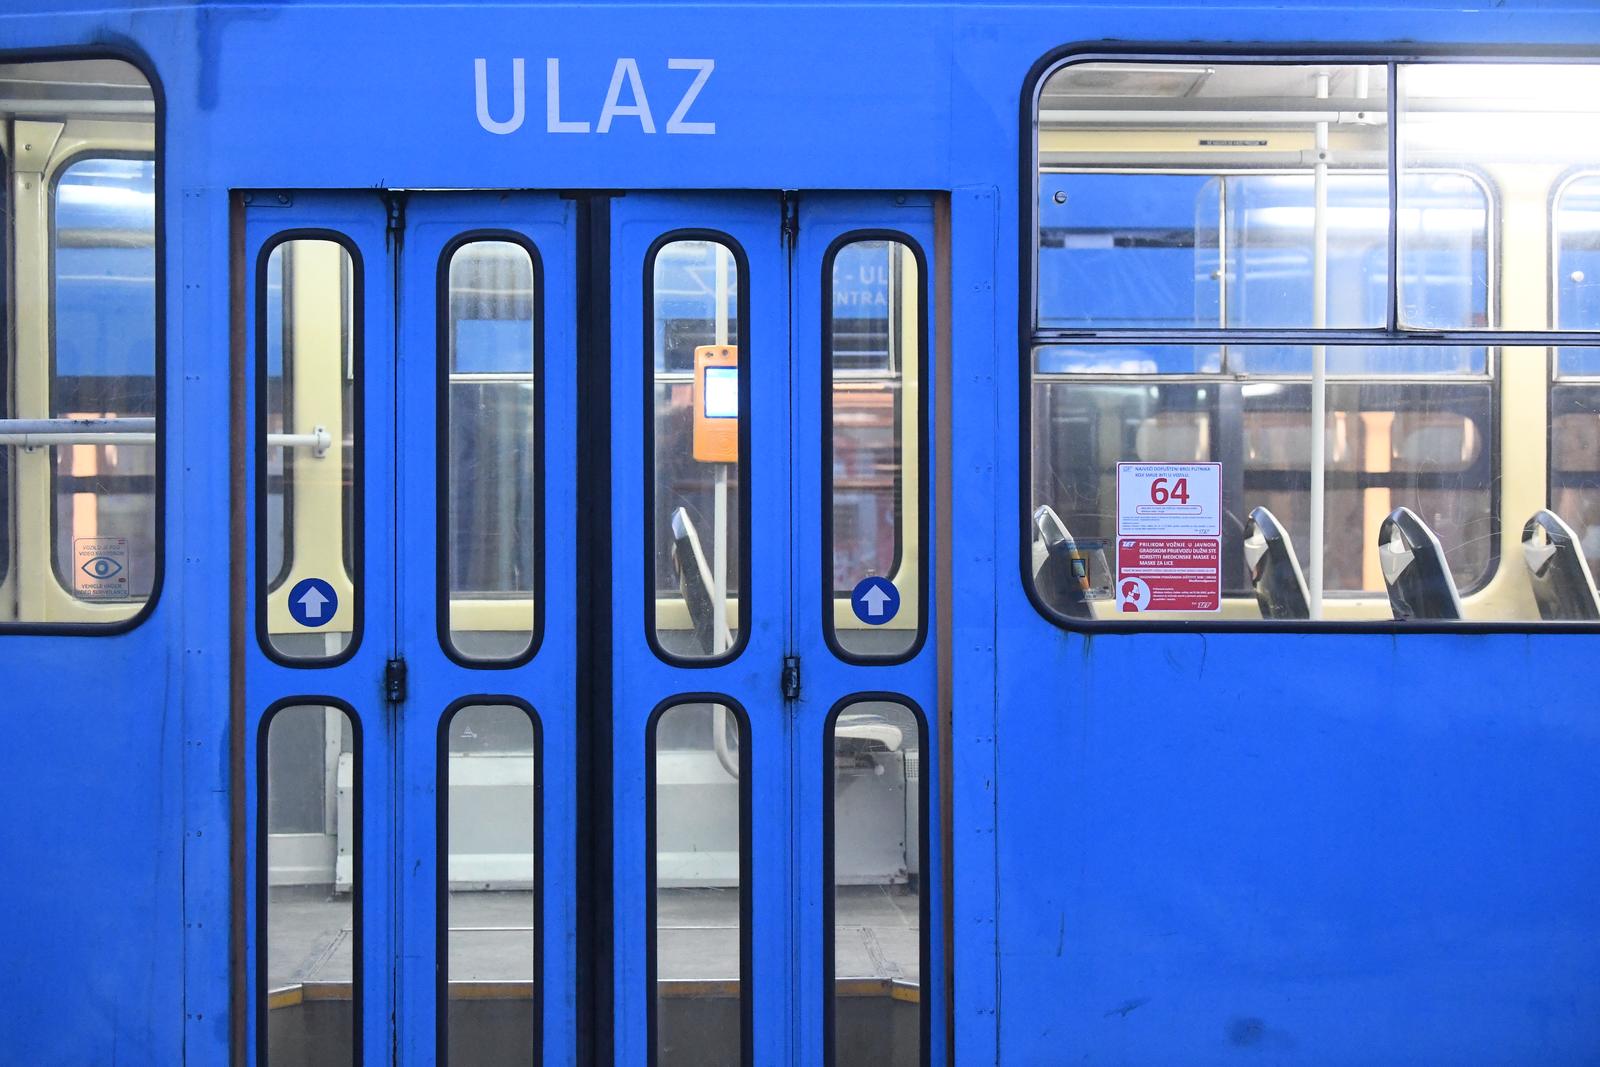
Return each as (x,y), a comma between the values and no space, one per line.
(699,818)
(309,826)
(1523,126)
(1181,197)
(874,338)
(489,886)
(875,904)
(698,504)
(307,439)
(1412,427)
(492,474)
(78,503)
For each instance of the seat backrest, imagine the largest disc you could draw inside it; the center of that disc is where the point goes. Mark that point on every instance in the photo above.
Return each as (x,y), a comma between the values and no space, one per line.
(1274,569)
(1562,583)
(1414,569)
(694,579)
(1060,571)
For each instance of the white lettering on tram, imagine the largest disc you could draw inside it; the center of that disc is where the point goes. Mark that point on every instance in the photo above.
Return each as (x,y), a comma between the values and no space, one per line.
(616,105)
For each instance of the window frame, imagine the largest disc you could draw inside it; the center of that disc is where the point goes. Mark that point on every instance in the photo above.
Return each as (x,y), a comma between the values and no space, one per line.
(262,1007)
(926,758)
(1032,337)
(442,866)
(746,870)
(79,628)
(355,499)
(648,367)
(829,594)
(444,346)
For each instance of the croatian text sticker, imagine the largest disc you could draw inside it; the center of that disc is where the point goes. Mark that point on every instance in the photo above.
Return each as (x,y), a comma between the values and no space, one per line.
(1169,574)
(100,568)
(1169,499)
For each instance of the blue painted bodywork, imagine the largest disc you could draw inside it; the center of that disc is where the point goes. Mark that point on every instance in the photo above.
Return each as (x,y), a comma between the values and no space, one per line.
(1163,848)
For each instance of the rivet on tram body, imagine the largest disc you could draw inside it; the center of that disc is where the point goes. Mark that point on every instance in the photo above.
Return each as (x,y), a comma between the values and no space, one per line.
(1060,197)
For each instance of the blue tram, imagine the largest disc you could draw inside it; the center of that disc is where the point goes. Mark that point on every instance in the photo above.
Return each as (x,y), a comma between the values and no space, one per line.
(979,535)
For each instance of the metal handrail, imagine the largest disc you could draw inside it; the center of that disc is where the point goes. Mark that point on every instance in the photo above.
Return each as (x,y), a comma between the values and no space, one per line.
(45,433)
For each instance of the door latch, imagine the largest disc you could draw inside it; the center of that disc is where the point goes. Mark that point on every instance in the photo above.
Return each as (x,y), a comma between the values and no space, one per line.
(394,681)
(791,677)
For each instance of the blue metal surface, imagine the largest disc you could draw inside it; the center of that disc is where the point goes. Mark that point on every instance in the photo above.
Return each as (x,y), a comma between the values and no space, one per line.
(1166,848)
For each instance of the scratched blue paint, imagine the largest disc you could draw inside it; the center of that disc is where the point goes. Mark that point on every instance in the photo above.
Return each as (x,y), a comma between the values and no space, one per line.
(1165,848)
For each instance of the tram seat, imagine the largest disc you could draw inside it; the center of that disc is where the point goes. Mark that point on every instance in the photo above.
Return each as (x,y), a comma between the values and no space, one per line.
(694,579)
(1274,568)
(857,733)
(1414,569)
(1562,584)
(1060,570)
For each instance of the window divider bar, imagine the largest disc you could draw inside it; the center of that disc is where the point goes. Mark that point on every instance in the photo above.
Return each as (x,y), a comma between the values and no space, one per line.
(1303,336)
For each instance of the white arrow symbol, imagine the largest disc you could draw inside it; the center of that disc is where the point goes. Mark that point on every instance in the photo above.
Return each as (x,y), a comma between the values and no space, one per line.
(875,598)
(312,600)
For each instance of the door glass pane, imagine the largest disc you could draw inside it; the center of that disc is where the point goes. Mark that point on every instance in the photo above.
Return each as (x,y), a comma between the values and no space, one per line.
(876,892)
(700,877)
(308,447)
(492,473)
(874,338)
(697,488)
(491,887)
(309,960)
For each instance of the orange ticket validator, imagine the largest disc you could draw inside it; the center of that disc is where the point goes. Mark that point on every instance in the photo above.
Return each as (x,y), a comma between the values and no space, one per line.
(716,403)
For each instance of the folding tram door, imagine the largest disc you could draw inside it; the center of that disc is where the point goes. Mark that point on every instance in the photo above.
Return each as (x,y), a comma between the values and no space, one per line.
(773,686)
(410,679)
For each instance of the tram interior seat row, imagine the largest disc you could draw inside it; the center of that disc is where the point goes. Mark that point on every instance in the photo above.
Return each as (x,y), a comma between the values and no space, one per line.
(1415,572)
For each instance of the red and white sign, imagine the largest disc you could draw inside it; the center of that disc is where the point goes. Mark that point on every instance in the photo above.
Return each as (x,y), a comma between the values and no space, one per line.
(1169,499)
(1169,574)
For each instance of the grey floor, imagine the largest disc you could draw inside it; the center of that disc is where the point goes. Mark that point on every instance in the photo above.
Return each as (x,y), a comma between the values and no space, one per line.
(310,938)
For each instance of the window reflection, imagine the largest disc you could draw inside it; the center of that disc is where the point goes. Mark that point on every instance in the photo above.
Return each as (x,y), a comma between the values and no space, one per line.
(877,1003)
(492,476)
(697,487)
(699,871)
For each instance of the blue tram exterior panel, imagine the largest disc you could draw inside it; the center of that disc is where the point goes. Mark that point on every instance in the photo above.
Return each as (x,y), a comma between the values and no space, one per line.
(1165,847)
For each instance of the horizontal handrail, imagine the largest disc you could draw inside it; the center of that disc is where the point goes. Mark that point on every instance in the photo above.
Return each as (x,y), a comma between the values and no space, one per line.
(45,433)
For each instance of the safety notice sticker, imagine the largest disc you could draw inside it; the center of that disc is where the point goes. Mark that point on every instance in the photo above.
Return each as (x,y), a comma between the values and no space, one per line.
(1169,499)
(1169,544)
(1169,574)
(100,568)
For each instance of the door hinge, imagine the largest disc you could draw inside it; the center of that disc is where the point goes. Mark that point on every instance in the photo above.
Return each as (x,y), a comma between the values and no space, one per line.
(394,681)
(395,224)
(790,227)
(791,677)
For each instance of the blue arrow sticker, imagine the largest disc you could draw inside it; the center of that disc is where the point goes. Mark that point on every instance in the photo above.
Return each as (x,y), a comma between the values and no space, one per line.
(312,602)
(875,600)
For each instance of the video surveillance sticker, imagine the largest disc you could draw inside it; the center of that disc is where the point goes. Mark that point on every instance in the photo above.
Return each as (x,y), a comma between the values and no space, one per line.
(100,568)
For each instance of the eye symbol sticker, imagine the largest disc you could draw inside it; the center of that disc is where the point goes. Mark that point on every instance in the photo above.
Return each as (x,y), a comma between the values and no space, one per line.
(102,567)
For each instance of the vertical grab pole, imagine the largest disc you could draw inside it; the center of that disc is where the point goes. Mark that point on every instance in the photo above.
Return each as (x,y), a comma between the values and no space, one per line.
(720,637)
(1319,354)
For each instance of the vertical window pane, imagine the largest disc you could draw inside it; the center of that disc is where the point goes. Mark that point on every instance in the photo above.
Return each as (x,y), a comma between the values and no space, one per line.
(1185,196)
(105,340)
(875,349)
(1522,125)
(78,499)
(309,960)
(699,874)
(697,484)
(1577,225)
(492,480)
(876,1007)
(490,887)
(308,441)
